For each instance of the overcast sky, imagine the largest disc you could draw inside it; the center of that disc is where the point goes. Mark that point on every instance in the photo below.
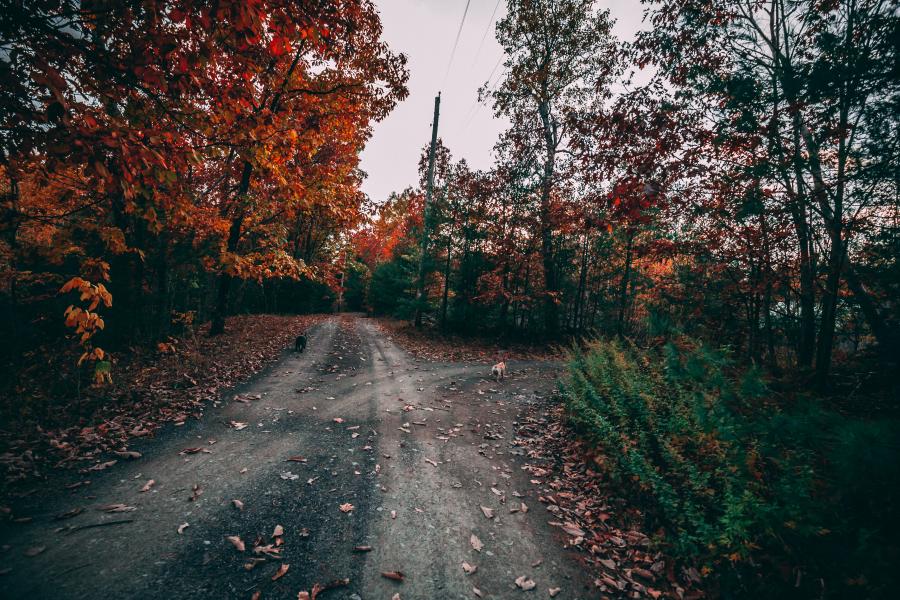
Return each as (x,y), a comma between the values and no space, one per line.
(425,30)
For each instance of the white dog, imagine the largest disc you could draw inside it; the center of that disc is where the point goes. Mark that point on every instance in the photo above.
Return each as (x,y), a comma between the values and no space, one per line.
(498,371)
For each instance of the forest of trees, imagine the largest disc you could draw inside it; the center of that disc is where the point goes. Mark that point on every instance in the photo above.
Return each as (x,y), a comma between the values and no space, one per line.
(165,163)
(707,216)
(746,192)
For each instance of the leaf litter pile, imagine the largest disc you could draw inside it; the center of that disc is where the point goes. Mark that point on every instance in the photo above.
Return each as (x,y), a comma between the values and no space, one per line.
(149,388)
(581,502)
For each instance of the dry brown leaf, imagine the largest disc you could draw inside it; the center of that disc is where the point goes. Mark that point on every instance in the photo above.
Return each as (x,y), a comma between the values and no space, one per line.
(554,591)
(338,420)
(488,512)
(237,425)
(395,575)
(299,459)
(469,569)
(525,584)
(238,504)
(116,508)
(127,454)
(182,527)
(148,485)
(362,549)
(256,595)
(281,571)
(395,597)
(279,531)
(237,542)
(477,592)
(476,543)
(303,596)
(195,451)
(346,507)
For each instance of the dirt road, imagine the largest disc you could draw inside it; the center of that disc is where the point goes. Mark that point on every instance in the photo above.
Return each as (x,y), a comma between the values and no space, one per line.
(422,451)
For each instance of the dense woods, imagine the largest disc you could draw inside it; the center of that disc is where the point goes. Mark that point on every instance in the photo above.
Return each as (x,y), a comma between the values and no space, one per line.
(746,192)
(707,216)
(165,163)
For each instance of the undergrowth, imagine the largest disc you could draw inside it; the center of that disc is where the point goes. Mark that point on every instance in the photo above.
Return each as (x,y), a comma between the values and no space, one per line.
(772,496)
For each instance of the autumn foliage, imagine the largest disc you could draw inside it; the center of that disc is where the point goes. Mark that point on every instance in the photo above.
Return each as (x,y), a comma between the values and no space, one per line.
(164,160)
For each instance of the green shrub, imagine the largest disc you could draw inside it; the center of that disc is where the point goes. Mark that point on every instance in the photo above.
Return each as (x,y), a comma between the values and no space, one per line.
(734,478)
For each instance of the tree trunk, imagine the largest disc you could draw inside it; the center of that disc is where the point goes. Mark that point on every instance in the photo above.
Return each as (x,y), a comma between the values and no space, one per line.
(551,312)
(234,235)
(623,287)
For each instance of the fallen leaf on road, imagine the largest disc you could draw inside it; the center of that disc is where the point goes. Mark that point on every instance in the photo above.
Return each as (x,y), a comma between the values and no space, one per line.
(469,569)
(393,514)
(338,420)
(477,592)
(237,542)
(101,466)
(299,459)
(250,564)
(573,530)
(279,531)
(303,596)
(524,507)
(238,504)
(318,588)
(395,597)
(395,575)
(69,514)
(431,462)
(196,492)
(242,471)
(281,571)
(148,485)
(256,595)
(116,508)
(496,491)
(476,543)
(127,454)
(362,549)
(238,425)
(554,591)
(35,550)
(195,451)
(488,512)
(525,584)
(346,507)
(288,476)
(182,527)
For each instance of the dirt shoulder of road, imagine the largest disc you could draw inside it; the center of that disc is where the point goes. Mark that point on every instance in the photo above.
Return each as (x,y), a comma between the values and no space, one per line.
(151,387)
(430,344)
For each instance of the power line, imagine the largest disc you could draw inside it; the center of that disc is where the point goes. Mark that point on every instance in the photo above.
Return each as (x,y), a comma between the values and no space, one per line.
(456,42)
(486,30)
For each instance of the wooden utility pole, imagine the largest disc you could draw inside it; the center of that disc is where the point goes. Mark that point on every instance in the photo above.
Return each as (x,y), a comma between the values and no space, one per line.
(426,217)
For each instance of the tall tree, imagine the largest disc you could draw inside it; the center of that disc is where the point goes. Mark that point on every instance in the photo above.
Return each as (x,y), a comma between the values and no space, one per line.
(559,52)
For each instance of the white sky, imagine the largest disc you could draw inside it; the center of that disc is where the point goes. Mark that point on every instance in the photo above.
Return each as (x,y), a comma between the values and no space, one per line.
(424,30)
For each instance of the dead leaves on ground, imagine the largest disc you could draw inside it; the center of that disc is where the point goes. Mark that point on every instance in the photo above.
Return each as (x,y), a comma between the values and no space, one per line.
(346,507)
(476,543)
(525,584)
(148,485)
(237,542)
(395,575)
(116,508)
(579,499)
(281,571)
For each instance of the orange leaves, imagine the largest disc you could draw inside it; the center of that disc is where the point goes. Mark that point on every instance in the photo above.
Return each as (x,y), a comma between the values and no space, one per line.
(279,45)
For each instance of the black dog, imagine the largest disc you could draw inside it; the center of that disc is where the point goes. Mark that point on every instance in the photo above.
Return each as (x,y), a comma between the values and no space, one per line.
(300,344)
